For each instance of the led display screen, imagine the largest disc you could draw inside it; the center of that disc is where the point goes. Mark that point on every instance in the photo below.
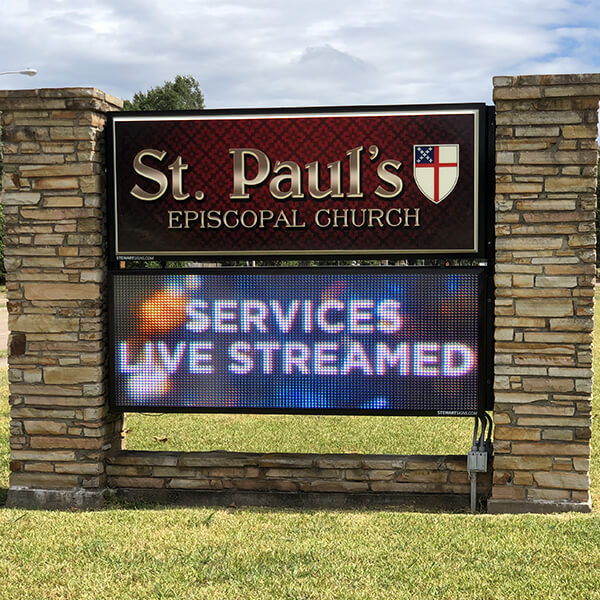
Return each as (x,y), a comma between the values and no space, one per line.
(344,341)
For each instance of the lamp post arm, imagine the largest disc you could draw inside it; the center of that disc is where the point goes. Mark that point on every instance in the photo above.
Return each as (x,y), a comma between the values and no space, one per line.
(29,72)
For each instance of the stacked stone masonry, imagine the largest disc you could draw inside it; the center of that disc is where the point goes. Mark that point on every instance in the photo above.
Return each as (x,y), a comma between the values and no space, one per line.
(352,473)
(66,445)
(53,200)
(546,167)
(297,473)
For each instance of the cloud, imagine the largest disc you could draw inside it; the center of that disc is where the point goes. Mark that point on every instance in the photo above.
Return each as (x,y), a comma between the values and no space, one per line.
(327,60)
(266,53)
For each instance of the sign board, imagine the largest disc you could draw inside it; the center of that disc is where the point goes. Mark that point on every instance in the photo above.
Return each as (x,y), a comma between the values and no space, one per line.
(327,341)
(298,182)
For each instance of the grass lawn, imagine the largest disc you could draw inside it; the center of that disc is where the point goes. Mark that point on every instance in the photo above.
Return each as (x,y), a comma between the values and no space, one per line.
(294,433)
(259,554)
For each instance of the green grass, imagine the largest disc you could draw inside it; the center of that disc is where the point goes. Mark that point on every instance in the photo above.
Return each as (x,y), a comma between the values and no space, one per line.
(258,554)
(322,434)
(263,554)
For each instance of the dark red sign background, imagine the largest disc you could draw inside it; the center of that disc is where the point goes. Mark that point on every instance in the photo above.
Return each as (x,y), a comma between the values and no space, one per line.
(204,142)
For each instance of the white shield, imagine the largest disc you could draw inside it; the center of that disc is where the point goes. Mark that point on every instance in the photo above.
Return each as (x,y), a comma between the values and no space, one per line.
(435,168)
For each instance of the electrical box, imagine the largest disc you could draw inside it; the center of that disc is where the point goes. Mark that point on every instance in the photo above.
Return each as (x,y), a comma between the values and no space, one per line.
(477,461)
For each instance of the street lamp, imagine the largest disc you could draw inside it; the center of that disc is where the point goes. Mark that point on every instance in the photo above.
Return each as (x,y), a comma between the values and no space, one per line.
(30,72)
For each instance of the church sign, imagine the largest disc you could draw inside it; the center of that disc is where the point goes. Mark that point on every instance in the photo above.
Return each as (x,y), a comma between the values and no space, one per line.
(368,181)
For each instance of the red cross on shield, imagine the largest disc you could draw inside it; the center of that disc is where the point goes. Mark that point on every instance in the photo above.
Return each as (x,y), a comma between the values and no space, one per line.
(436,169)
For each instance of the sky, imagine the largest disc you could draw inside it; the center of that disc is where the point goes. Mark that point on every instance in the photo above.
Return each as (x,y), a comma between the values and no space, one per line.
(267,53)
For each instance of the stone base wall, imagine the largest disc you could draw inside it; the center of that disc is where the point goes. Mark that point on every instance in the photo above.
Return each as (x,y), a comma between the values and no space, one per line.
(546,168)
(386,479)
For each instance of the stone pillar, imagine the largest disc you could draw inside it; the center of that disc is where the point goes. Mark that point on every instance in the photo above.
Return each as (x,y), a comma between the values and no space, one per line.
(546,162)
(61,429)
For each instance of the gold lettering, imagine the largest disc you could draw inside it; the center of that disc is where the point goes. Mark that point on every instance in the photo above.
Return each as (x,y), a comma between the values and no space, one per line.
(335,180)
(318,223)
(293,176)
(236,222)
(375,214)
(240,179)
(388,219)
(174,222)
(281,217)
(190,215)
(246,225)
(343,217)
(414,216)
(362,223)
(264,216)
(149,173)
(355,183)
(294,224)
(389,178)
(213,219)
(178,166)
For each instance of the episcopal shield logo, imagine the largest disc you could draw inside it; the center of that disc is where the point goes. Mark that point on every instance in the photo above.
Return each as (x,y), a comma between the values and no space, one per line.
(436,170)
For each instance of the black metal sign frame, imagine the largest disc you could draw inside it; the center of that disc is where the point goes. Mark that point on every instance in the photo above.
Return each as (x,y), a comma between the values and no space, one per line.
(272,222)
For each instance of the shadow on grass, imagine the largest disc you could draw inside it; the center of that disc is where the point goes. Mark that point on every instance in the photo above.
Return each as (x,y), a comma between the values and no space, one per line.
(120,503)
(117,502)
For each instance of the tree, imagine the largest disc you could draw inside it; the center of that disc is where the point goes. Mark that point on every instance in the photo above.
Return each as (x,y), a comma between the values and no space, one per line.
(181,94)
